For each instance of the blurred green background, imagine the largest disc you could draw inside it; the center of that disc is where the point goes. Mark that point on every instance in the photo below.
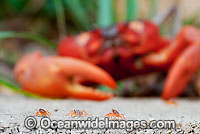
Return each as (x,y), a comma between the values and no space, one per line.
(40,24)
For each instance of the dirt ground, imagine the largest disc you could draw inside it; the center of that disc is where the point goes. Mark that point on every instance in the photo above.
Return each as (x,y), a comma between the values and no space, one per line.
(14,110)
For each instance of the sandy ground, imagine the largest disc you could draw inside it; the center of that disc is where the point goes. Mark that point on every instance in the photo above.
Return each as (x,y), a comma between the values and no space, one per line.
(14,109)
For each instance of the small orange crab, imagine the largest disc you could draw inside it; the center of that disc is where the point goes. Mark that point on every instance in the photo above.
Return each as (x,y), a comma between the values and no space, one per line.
(43,113)
(77,113)
(115,114)
(172,102)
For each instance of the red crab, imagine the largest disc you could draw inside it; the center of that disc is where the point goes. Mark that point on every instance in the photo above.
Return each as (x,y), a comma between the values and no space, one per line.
(115,114)
(59,77)
(136,47)
(75,113)
(43,113)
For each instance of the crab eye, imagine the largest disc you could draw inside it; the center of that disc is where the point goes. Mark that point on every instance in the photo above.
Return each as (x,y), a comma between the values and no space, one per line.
(83,38)
(137,26)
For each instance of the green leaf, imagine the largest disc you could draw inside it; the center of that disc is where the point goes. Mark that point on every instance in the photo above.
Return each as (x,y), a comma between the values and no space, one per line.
(76,8)
(119,89)
(193,20)
(132,9)
(15,5)
(60,13)
(105,13)
(11,84)
(163,30)
(26,35)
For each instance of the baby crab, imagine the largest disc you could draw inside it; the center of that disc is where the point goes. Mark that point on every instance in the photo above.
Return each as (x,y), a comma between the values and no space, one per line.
(115,114)
(43,113)
(74,113)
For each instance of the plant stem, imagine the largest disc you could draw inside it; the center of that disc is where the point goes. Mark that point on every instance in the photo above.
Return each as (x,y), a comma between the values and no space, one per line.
(132,9)
(105,13)
(60,14)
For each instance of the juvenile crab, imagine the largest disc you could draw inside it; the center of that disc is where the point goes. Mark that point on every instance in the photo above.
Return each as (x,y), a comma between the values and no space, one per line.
(115,114)
(43,113)
(74,113)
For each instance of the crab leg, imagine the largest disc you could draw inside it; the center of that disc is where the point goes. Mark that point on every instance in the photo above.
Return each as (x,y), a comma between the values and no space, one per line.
(187,36)
(70,113)
(38,113)
(122,116)
(48,113)
(84,113)
(183,53)
(181,71)
(54,76)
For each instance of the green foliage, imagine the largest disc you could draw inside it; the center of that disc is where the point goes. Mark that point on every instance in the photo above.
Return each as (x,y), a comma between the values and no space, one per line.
(77,10)
(105,15)
(193,20)
(13,85)
(118,91)
(153,8)
(60,13)
(132,9)
(16,5)
(72,16)
(32,36)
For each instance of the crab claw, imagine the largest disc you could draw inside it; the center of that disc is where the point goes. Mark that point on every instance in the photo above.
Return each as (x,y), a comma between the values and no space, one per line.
(54,76)
(181,71)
